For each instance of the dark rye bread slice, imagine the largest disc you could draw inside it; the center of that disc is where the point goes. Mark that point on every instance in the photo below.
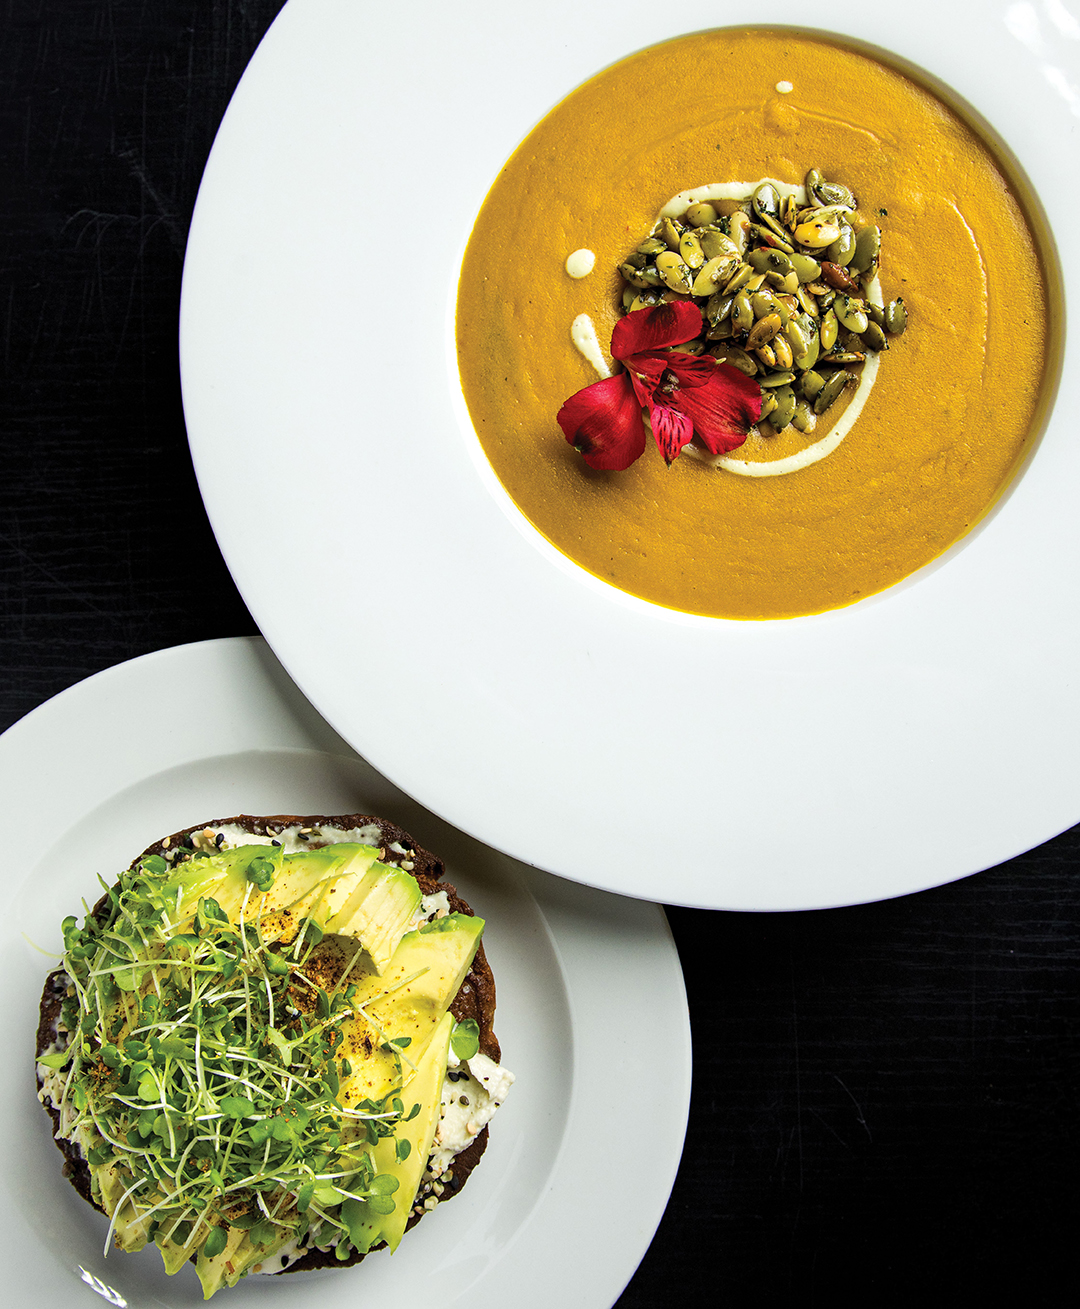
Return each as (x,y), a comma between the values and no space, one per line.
(475,998)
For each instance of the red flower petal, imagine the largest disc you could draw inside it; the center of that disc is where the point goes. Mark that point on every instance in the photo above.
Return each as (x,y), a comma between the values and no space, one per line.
(653,329)
(652,364)
(723,410)
(604,422)
(691,370)
(671,429)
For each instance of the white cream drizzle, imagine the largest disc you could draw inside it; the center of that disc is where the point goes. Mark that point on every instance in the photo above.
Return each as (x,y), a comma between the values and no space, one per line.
(583,335)
(580,263)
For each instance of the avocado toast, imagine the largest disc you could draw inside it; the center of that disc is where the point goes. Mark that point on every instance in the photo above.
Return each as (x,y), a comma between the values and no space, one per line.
(269,1047)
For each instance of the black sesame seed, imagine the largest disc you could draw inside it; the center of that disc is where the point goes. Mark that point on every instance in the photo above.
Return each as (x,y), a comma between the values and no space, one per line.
(284,1261)
(219,840)
(463,1099)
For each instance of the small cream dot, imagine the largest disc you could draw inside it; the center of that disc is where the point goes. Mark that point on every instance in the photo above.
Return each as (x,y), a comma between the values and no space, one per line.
(785,88)
(580,263)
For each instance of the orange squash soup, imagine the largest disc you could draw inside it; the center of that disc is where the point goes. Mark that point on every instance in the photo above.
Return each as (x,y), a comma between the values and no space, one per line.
(928,447)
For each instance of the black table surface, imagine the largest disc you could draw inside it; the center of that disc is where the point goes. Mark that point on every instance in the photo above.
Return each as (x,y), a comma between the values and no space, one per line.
(885,1097)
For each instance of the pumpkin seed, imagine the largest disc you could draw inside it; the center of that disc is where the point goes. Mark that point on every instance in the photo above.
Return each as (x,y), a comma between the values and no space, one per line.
(706,281)
(782,350)
(839,278)
(798,340)
(765,201)
(874,337)
(817,234)
(768,404)
(813,180)
(807,301)
(673,271)
(809,357)
(739,225)
(647,300)
(739,279)
(763,302)
(803,418)
(867,248)
(671,231)
(693,256)
(835,193)
(701,215)
(806,269)
(771,380)
(767,260)
(779,283)
(714,242)
(742,315)
(766,355)
(652,246)
(828,330)
(774,234)
(821,213)
(846,357)
(811,384)
(851,314)
(718,307)
(842,249)
(832,388)
(737,358)
(763,331)
(896,316)
(875,313)
(785,408)
(629,295)
(641,277)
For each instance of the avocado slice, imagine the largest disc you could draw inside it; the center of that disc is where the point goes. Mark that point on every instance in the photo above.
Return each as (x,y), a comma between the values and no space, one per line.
(379,912)
(343,888)
(425,1090)
(305,882)
(226,1268)
(407,1000)
(213,875)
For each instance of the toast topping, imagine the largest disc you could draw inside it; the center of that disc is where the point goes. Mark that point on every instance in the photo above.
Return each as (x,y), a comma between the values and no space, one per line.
(251,1049)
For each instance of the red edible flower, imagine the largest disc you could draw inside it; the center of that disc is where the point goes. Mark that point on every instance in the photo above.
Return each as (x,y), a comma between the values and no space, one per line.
(684,394)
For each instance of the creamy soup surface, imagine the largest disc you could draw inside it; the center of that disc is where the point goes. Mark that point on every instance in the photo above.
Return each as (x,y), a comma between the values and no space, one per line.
(950,412)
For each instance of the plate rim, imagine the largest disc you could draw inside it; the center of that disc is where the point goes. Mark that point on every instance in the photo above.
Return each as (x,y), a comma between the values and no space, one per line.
(762,880)
(211,671)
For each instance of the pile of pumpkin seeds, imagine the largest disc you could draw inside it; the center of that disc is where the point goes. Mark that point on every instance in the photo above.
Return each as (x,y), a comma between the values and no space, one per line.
(782,288)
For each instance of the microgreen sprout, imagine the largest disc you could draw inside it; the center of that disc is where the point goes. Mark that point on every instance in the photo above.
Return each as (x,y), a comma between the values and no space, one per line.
(465,1038)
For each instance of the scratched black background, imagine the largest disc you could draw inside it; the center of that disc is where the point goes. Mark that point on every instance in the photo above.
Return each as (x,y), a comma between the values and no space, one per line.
(885,1097)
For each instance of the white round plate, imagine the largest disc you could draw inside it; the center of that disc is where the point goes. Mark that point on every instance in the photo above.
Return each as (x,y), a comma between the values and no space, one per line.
(911,739)
(206,731)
